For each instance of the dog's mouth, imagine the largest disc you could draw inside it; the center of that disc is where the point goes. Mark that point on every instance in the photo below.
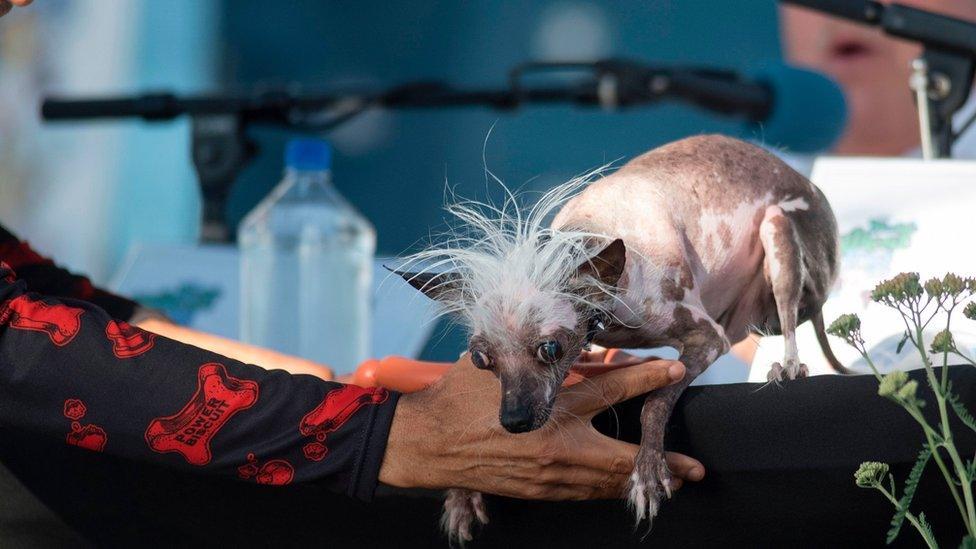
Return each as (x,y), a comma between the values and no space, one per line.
(519,421)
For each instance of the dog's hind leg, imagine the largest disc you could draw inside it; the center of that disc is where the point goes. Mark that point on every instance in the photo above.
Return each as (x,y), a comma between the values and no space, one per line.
(783,268)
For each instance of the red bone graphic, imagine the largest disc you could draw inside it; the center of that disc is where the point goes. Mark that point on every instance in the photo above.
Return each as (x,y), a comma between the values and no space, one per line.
(60,322)
(89,437)
(276,471)
(333,412)
(189,432)
(128,341)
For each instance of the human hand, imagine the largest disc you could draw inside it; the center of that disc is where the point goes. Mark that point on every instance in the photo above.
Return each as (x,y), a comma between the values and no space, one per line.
(7,5)
(449,436)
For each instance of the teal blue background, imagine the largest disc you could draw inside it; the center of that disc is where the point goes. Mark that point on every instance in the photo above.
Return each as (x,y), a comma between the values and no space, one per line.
(399,184)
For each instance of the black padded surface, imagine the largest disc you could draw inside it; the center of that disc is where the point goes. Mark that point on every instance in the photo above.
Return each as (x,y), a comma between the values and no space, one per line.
(780,462)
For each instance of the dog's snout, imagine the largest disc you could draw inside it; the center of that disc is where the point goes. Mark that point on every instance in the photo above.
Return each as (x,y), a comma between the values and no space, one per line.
(517,420)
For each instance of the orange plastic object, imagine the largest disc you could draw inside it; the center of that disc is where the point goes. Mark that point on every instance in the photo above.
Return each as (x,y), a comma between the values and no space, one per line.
(408,375)
(399,373)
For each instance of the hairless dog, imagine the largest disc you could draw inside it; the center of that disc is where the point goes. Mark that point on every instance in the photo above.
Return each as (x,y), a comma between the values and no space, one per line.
(691,245)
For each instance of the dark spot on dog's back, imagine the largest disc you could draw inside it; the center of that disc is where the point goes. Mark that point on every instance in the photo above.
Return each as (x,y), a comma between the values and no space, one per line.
(670,290)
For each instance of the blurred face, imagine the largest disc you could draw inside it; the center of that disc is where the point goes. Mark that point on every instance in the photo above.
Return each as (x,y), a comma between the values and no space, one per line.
(872,68)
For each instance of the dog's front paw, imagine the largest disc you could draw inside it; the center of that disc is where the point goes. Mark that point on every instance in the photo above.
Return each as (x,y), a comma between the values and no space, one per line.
(650,481)
(461,509)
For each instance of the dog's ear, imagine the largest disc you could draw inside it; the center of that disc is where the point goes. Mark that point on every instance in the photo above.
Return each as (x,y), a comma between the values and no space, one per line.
(433,285)
(606,266)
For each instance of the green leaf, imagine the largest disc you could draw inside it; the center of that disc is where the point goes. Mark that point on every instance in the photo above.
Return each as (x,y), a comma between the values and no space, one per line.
(925,527)
(901,344)
(968,542)
(960,409)
(906,499)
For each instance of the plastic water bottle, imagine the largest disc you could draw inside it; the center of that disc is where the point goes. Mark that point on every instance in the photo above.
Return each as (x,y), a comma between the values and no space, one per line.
(306,266)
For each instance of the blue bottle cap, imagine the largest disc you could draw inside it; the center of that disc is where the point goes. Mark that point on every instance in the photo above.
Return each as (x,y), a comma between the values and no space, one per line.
(308,154)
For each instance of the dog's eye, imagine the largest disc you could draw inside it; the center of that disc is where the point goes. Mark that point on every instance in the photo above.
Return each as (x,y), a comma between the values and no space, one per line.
(596,325)
(481,360)
(549,352)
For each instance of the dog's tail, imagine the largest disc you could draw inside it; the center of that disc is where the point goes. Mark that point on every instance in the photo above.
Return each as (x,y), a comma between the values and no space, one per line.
(818,328)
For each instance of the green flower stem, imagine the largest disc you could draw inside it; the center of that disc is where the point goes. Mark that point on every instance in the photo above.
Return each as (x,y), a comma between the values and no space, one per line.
(870,362)
(945,355)
(919,304)
(967,485)
(930,437)
(933,445)
(969,515)
(911,518)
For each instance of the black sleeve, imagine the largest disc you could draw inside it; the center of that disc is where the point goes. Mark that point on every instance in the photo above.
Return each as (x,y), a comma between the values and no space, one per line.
(43,276)
(69,371)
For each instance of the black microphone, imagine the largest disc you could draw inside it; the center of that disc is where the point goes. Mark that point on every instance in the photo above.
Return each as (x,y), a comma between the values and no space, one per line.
(783,106)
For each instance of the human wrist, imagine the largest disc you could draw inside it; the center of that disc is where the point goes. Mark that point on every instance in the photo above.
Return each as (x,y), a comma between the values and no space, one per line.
(406,461)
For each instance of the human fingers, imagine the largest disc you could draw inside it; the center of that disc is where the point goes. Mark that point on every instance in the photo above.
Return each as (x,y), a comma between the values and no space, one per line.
(610,388)
(684,467)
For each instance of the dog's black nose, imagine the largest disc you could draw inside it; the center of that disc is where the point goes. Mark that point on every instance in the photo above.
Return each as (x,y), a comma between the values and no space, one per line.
(517,421)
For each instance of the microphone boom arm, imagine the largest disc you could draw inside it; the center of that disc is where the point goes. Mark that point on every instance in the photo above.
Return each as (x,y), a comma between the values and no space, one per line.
(221,147)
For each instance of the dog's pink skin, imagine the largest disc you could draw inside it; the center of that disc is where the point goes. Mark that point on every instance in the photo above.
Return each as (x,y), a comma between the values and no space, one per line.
(721,237)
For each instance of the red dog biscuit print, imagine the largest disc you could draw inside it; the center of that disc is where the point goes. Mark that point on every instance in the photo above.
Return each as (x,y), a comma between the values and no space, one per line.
(60,322)
(189,432)
(333,412)
(74,409)
(275,472)
(89,437)
(127,340)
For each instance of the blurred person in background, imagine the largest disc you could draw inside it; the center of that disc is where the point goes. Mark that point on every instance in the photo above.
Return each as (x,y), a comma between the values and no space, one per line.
(873,69)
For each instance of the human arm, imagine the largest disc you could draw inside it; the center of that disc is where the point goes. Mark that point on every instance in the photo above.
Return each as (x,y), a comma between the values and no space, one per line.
(69,370)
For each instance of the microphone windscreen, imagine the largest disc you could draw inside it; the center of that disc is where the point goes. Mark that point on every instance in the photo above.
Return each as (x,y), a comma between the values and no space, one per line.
(809,112)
